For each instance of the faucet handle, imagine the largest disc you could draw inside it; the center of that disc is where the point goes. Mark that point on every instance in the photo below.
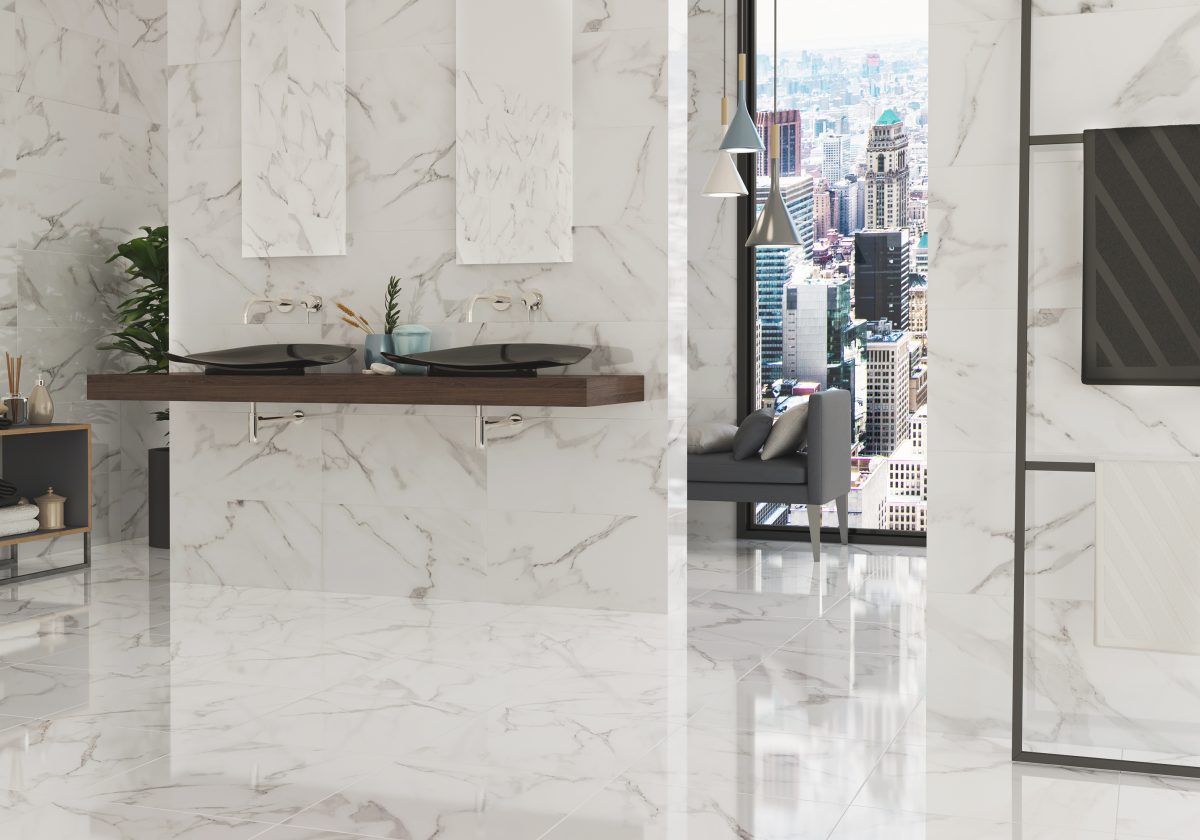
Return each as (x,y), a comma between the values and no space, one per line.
(311,303)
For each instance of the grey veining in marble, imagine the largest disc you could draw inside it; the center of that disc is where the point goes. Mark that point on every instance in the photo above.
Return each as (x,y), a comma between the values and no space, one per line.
(294,166)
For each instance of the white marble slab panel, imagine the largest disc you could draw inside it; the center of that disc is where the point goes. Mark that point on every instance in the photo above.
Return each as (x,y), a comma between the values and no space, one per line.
(1115,69)
(979,103)
(294,129)
(973,251)
(1072,421)
(143,157)
(203,32)
(54,138)
(1147,572)
(65,65)
(99,18)
(514,132)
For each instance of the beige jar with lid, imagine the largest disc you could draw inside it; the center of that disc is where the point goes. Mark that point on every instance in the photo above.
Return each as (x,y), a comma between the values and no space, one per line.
(51,511)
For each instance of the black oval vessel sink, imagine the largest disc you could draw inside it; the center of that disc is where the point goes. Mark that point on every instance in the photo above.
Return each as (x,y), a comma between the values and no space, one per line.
(268,359)
(517,359)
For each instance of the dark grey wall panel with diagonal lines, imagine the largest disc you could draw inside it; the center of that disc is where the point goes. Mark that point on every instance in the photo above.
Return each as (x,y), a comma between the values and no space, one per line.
(1141,256)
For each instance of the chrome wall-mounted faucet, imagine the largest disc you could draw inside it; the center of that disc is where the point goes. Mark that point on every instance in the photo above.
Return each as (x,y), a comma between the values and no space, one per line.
(310,302)
(502,301)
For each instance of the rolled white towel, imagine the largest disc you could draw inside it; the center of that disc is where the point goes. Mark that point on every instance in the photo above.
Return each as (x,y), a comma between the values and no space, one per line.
(12,529)
(18,513)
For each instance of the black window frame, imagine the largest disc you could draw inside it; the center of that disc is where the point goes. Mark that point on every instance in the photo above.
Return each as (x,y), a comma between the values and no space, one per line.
(747,528)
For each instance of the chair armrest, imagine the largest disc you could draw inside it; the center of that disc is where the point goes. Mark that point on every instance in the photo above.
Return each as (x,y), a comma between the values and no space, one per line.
(829,422)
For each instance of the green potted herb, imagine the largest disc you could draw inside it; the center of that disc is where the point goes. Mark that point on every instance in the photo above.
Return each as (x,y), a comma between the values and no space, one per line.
(143,334)
(397,338)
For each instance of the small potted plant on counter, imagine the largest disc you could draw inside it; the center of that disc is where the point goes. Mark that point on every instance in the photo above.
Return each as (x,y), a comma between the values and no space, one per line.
(397,338)
(144,335)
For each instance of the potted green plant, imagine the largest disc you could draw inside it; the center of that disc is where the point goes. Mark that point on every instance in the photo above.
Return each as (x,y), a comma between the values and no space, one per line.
(143,334)
(397,338)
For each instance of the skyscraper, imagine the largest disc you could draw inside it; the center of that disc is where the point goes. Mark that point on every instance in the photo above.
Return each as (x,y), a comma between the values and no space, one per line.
(887,174)
(833,157)
(888,371)
(818,333)
(822,213)
(881,276)
(790,155)
(773,268)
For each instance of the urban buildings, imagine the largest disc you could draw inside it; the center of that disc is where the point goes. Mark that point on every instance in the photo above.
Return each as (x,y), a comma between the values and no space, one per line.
(791,151)
(887,174)
(818,333)
(882,276)
(833,157)
(888,368)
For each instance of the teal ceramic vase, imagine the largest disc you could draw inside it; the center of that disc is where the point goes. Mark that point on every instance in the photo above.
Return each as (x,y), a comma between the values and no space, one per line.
(407,339)
(374,346)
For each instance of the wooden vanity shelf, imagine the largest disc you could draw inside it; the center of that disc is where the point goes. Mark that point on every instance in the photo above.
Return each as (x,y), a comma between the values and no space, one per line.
(579,391)
(35,458)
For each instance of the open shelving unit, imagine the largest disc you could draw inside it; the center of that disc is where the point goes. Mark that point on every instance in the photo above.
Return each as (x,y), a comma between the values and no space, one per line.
(35,458)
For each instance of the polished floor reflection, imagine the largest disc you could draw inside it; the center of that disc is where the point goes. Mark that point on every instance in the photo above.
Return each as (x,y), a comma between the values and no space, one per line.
(790,706)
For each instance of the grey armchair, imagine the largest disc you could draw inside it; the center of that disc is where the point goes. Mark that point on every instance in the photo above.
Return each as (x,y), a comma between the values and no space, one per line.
(815,477)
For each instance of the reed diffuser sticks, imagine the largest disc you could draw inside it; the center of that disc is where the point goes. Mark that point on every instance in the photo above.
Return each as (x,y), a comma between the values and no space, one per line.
(14,373)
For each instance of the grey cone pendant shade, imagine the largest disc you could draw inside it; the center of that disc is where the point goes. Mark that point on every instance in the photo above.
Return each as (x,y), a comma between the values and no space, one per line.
(774,225)
(742,135)
(724,181)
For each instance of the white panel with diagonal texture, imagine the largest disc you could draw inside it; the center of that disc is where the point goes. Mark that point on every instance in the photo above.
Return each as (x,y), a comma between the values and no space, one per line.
(1148,556)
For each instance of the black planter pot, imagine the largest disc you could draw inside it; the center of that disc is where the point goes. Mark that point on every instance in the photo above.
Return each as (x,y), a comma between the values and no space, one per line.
(160,497)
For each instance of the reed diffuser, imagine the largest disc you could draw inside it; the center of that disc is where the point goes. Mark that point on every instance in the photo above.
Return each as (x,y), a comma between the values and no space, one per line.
(18,406)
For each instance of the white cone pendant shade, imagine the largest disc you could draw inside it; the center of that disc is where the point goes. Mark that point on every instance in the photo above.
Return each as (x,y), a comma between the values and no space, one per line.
(724,181)
(774,225)
(742,135)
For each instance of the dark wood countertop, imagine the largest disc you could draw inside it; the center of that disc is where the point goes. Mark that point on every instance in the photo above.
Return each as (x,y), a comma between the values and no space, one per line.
(356,388)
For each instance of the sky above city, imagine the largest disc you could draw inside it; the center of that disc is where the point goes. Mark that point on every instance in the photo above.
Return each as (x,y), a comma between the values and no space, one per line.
(804,24)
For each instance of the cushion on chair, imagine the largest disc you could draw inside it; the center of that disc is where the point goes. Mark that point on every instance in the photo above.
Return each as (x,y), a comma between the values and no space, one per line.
(710,437)
(787,435)
(752,434)
(725,467)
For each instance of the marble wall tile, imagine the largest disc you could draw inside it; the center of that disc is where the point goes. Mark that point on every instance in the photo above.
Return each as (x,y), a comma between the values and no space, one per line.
(142,24)
(1072,421)
(53,138)
(578,466)
(65,65)
(200,33)
(618,169)
(403,461)
(575,560)
(10,61)
(974,381)
(974,530)
(202,107)
(99,18)
(971,11)
(407,94)
(382,25)
(221,465)
(712,363)
(514,141)
(205,193)
(979,104)
(10,268)
(1121,69)
(973,243)
(969,658)
(293,67)
(620,78)
(143,80)
(1056,228)
(143,157)
(46,213)
(409,552)
(212,543)
(1060,535)
(67,290)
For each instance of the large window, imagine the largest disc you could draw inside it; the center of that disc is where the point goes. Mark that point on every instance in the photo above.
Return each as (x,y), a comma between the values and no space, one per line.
(846,308)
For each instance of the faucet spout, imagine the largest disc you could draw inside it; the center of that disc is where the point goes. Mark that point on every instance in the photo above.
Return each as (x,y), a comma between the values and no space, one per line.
(500,301)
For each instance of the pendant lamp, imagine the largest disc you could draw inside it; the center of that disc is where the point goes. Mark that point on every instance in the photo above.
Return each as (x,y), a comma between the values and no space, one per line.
(774,225)
(724,181)
(742,135)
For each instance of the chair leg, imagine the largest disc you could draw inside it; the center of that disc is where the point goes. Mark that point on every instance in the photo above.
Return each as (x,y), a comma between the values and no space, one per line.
(814,531)
(843,509)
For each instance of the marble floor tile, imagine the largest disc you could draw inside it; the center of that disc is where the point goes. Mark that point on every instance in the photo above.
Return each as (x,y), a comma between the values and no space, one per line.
(787,703)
